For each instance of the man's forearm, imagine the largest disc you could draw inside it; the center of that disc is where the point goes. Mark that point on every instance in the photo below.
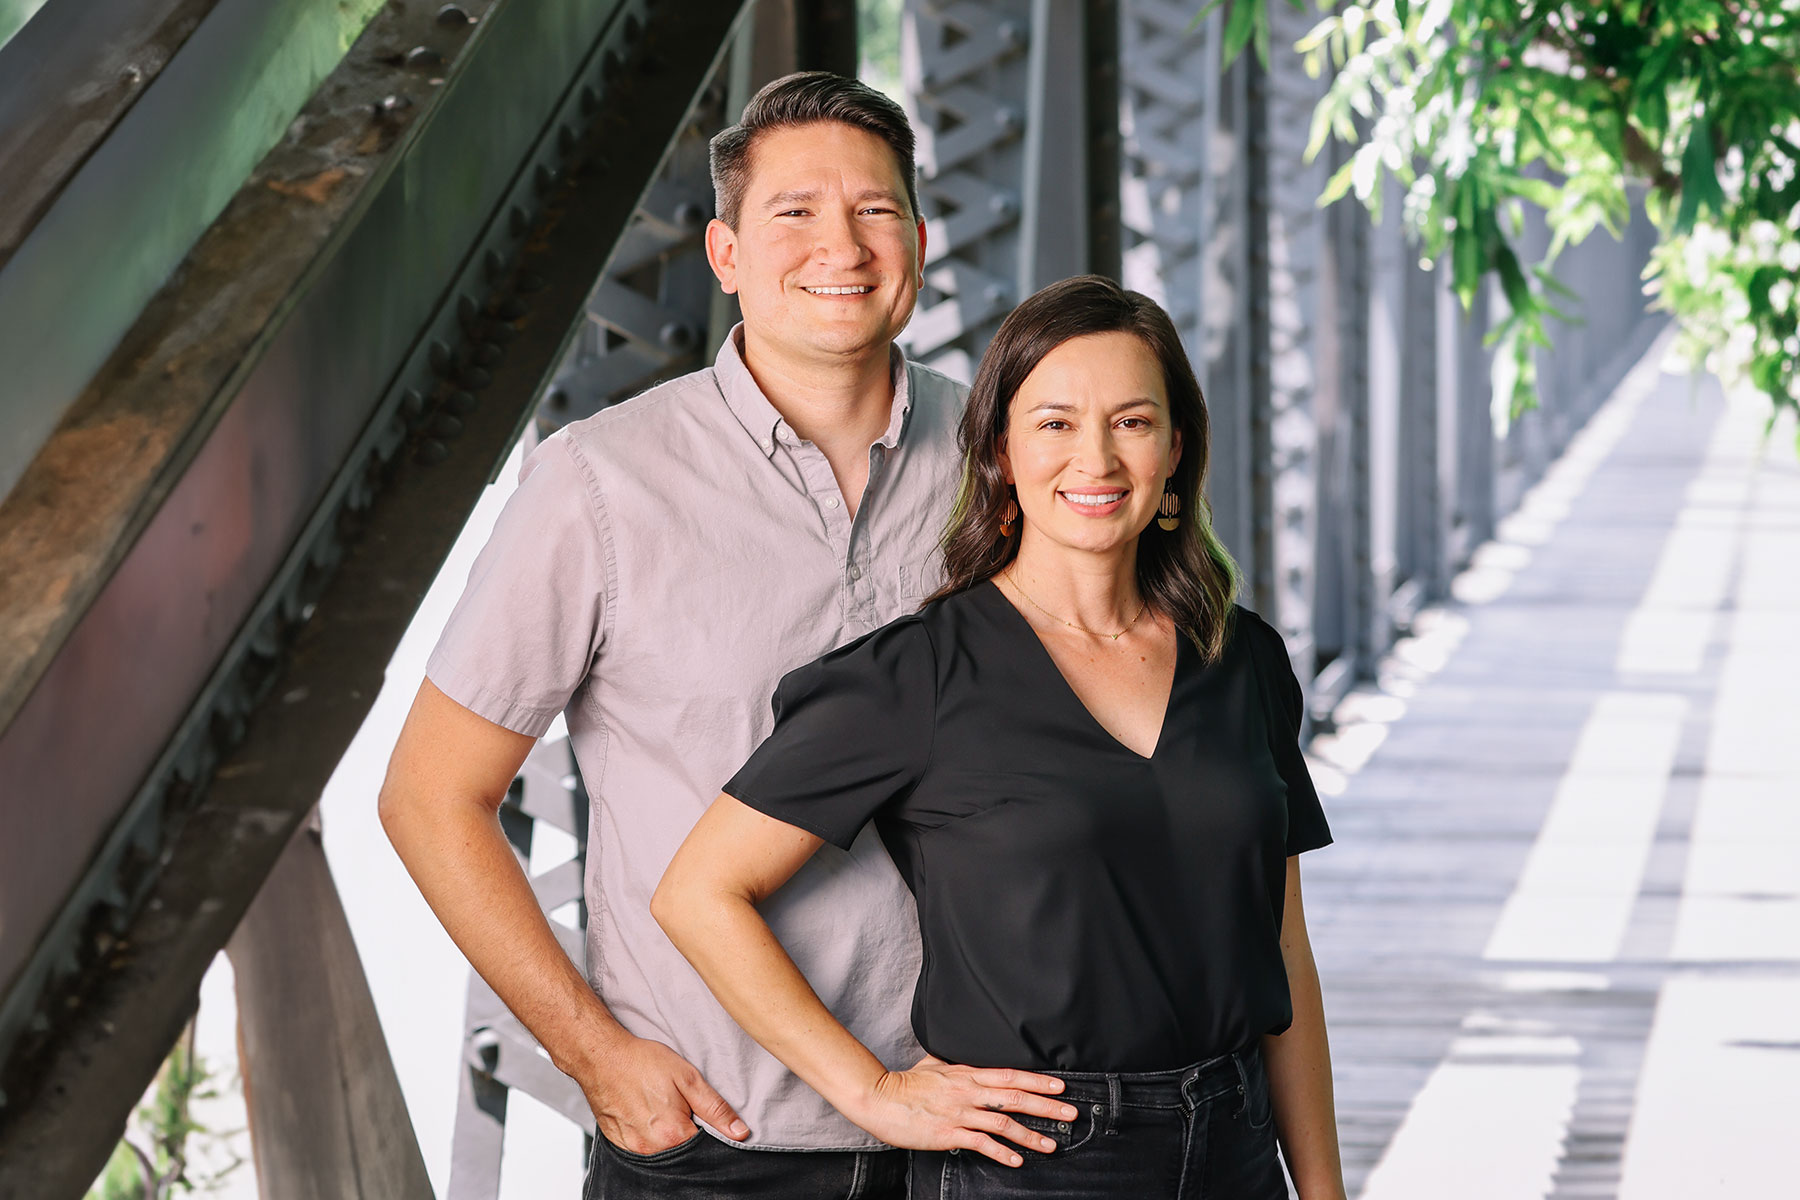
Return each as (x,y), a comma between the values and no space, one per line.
(458,855)
(1299,1066)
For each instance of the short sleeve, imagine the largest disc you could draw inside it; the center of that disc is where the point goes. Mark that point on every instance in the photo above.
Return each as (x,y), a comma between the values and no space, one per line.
(853,733)
(524,635)
(1307,828)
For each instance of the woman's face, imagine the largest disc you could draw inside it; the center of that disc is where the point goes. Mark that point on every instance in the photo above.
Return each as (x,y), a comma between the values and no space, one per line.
(1089,443)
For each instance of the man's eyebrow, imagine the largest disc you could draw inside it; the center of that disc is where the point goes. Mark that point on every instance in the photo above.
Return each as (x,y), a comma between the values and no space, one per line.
(791,196)
(807,196)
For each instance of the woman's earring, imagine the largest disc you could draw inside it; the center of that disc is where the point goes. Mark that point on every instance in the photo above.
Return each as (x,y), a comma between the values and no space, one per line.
(1169,511)
(1009,518)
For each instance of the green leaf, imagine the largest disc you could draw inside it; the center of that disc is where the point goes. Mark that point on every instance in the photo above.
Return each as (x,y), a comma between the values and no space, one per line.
(1548,278)
(1205,12)
(1699,177)
(1261,37)
(1540,192)
(1512,279)
(1465,263)
(1239,26)
(1322,119)
(1338,186)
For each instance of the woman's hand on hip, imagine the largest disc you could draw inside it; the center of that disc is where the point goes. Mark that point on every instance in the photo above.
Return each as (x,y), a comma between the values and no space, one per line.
(939,1106)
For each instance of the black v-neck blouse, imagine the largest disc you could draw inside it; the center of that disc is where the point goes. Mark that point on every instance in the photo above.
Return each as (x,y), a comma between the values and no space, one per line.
(1083,908)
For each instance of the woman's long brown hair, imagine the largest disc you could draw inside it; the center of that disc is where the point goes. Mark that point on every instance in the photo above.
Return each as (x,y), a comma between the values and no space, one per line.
(1187,575)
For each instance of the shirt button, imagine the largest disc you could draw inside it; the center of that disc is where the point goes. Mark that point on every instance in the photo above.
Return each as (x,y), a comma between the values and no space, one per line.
(832,502)
(855,574)
(767,445)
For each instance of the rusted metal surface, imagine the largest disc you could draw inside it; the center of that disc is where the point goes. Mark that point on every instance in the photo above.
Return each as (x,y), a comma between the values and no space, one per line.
(365,566)
(126,126)
(62,89)
(260,382)
(145,528)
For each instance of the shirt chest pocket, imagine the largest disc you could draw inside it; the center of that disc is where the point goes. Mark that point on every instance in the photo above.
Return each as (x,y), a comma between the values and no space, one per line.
(920,577)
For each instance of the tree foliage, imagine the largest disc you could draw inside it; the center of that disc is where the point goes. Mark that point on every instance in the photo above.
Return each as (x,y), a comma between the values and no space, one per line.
(1484,109)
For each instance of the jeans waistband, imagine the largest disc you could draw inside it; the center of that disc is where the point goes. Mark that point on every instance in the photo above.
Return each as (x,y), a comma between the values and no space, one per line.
(1186,1087)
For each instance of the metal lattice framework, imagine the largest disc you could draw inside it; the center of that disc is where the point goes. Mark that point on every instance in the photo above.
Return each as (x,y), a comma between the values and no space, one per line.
(1186,223)
(1293,300)
(653,315)
(966,68)
(499,1055)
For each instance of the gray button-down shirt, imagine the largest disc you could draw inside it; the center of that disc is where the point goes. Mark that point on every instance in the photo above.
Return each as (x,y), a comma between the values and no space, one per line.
(660,567)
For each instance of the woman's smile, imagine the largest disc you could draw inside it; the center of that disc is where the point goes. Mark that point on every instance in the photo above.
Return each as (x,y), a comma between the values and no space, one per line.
(1095,502)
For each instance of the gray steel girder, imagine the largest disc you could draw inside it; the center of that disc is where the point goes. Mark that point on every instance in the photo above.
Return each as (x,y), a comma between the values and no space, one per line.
(341,365)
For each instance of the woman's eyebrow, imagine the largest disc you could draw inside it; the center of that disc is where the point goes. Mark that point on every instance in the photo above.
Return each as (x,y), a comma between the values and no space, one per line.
(1063,406)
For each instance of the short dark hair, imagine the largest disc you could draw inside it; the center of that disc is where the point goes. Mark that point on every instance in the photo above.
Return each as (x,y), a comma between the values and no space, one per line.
(807,98)
(1187,575)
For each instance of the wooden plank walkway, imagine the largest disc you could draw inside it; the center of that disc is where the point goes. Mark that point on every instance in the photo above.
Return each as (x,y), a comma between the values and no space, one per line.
(1560,929)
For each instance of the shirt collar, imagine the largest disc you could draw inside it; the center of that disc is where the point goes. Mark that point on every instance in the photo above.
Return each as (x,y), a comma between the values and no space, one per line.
(760,418)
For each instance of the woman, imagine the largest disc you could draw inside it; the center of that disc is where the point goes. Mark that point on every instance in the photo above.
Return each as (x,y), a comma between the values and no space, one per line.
(1084,760)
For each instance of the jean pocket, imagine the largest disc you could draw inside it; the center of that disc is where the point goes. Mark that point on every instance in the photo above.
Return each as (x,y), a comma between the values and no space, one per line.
(658,1159)
(1068,1135)
(1258,1108)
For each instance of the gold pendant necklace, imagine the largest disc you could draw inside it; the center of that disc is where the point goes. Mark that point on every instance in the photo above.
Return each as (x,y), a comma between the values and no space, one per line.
(1013,579)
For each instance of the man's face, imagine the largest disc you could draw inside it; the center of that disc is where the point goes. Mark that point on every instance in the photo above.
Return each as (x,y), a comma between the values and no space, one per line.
(825,257)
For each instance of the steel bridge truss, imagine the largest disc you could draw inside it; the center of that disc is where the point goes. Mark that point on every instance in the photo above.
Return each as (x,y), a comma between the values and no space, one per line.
(233,520)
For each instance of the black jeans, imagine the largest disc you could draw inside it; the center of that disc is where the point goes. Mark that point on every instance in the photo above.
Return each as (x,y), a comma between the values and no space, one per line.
(705,1168)
(1205,1132)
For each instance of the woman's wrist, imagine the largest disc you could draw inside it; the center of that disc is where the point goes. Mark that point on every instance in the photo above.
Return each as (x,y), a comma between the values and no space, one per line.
(856,1090)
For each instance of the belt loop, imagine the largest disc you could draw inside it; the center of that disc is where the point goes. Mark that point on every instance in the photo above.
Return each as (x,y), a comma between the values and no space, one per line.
(1189,1099)
(1237,1060)
(1113,1104)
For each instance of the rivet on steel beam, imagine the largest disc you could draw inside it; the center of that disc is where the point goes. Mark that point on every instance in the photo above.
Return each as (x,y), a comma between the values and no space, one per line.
(445,426)
(1002,204)
(423,58)
(544,178)
(634,29)
(995,293)
(676,335)
(475,378)
(1009,118)
(1012,34)
(609,66)
(432,452)
(510,309)
(132,75)
(388,107)
(501,332)
(590,99)
(440,357)
(558,399)
(529,282)
(493,265)
(565,139)
(460,401)
(484,1048)
(452,16)
(466,312)
(516,221)
(486,354)
(411,403)
(690,215)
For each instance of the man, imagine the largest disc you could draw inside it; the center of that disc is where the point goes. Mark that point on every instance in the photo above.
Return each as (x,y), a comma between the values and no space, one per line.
(661,565)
